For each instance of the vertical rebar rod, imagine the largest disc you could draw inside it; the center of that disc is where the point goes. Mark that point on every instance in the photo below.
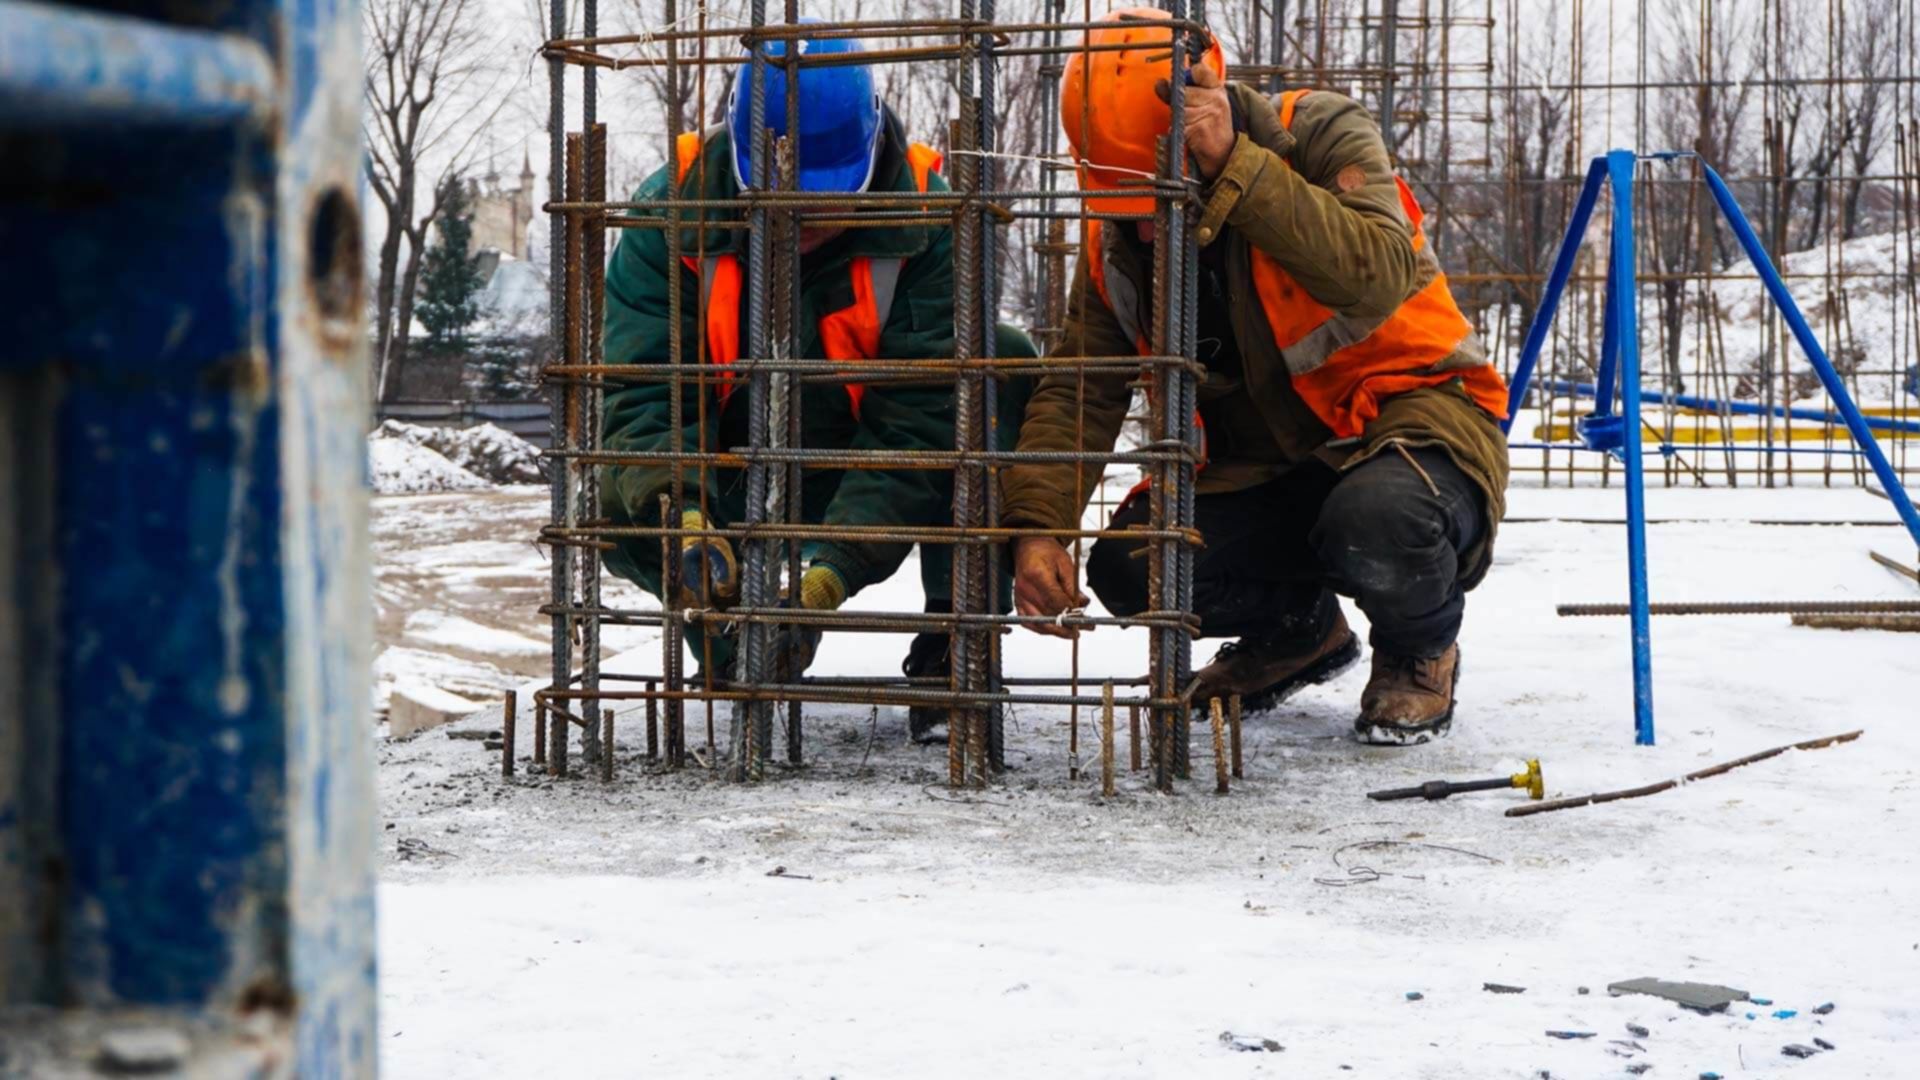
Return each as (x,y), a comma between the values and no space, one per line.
(561,477)
(572,290)
(753,720)
(1219,746)
(1106,741)
(672,655)
(653,724)
(540,734)
(1133,738)
(593,253)
(606,746)
(1233,731)
(506,734)
(968,659)
(792,393)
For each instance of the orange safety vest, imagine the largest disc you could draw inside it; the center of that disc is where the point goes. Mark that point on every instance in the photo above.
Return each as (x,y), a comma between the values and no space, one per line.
(1342,366)
(852,333)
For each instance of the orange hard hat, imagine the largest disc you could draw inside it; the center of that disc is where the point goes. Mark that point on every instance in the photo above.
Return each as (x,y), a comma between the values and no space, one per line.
(1110,109)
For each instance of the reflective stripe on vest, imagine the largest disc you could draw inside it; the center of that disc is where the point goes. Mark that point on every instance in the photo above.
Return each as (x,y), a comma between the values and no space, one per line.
(852,333)
(1344,367)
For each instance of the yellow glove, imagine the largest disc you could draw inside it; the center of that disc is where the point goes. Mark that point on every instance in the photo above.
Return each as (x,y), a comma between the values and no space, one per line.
(822,588)
(707,559)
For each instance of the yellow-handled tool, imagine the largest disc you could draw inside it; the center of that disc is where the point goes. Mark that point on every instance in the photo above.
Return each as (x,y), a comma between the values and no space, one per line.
(1530,781)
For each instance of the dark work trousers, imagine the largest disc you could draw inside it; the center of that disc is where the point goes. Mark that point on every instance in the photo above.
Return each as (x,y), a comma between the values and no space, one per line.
(1276,554)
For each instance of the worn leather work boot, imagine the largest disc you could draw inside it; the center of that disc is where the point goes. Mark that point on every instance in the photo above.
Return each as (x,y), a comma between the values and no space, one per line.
(928,655)
(1266,669)
(1409,699)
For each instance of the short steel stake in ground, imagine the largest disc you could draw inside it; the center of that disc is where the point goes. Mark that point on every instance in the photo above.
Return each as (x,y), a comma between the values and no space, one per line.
(606,745)
(506,734)
(1233,731)
(1133,738)
(653,727)
(1106,741)
(1219,746)
(539,732)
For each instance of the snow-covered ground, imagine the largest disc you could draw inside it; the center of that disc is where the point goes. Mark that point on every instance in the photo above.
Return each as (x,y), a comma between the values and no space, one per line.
(577,929)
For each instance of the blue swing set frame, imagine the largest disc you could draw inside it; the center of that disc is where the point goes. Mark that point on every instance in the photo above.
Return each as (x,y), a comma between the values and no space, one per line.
(1618,433)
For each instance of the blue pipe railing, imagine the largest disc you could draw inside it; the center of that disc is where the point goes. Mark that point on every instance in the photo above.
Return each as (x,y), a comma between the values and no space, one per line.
(1739,408)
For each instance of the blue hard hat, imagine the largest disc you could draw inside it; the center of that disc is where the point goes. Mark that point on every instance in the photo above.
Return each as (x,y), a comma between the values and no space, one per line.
(839,118)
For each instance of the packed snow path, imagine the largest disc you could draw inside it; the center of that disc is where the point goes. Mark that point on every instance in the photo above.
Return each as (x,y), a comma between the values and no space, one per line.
(577,929)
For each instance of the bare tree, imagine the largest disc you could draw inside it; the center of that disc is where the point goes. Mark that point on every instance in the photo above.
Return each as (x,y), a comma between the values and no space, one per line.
(1534,145)
(427,68)
(1871,42)
(1704,61)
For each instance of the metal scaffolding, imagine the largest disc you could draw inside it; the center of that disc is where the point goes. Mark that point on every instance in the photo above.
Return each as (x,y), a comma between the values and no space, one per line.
(1810,108)
(772,210)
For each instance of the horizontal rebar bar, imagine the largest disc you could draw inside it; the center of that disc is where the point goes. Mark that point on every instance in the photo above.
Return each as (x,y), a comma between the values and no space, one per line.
(879,622)
(833,695)
(938,460)
(1907,624)
(918,534)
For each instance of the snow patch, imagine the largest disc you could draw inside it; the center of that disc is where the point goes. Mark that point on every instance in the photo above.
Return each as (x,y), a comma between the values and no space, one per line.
(453,631)
(488,451)
(399,467)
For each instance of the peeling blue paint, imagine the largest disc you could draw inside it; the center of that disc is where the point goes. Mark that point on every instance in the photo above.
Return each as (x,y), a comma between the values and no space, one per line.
(211,806)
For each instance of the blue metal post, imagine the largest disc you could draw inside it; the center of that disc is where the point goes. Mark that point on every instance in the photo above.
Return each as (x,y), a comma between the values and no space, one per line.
(1626,339)
(186,798)
(1550,297)
(1822,366)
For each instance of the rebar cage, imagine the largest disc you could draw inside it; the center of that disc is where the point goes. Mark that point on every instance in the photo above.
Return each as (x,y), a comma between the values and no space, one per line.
(772,210)
(1459,94)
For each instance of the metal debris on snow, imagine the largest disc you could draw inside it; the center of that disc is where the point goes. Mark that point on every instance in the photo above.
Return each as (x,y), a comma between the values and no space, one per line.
(1249,1044)
(1700,997)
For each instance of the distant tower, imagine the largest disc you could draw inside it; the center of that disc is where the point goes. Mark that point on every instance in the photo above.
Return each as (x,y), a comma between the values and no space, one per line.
(523,207)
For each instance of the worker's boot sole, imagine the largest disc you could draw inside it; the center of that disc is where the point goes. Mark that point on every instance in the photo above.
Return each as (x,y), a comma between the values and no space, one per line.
(1325,669)
(1403,735)
(1375,733)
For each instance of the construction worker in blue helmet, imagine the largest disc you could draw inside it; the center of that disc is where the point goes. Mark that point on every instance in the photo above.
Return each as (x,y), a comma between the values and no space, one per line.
(865,294)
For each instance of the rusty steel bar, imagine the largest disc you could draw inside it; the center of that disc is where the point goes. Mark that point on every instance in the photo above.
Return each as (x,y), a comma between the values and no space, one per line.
(1529,809)
(934,534)
(934,460)
(653,726)
(539,731)
(1898,567)
(889,621)
(1218,723)
(1106,741)
(506,735)
(1233,730)
(606,746)
(855,695)
(1907,624)
(593,237)
(1133,737)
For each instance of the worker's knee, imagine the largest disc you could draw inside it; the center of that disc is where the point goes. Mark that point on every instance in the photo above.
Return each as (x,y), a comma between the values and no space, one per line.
(1376,539)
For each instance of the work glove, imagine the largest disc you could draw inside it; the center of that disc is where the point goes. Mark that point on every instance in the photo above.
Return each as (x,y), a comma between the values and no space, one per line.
(706,560)
(821,589)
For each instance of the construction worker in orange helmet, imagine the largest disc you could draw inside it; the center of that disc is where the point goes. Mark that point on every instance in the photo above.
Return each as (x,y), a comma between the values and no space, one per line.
(1348,412)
